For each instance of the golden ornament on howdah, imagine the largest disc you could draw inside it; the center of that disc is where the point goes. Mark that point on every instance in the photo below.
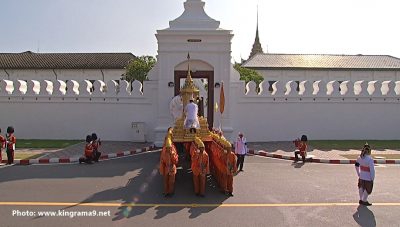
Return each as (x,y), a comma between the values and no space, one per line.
(189,91)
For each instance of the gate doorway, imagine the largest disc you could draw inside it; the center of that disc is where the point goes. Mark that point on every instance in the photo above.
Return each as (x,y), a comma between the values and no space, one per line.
(201,78)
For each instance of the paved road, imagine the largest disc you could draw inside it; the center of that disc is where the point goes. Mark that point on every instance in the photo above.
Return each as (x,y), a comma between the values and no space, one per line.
(268,193)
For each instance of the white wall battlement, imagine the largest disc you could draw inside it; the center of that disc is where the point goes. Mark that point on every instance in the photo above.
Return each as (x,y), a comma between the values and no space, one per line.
(70,110)
(320,109)
(323,110)
(83,88)
(322,88)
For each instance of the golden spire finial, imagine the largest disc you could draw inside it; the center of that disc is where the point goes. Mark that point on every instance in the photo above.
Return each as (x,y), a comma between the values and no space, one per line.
(189,89)
(189,84)
(189,77)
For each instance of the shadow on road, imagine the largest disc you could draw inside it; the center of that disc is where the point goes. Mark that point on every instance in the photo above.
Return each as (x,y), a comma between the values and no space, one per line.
(146,187)
(103,169)
(364,217)
(298,164)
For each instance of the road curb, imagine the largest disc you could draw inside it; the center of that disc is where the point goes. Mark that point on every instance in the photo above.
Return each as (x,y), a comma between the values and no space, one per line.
(76,160)
(152,147)
(319,160)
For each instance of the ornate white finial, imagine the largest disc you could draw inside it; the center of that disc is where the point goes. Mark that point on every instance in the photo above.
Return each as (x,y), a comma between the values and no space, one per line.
(194,18)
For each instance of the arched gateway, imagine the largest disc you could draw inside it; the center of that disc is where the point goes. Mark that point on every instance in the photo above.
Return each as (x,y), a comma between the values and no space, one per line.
(209,46)
(203,75)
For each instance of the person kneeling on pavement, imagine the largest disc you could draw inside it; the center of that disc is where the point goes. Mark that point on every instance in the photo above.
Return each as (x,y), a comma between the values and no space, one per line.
(96,143)
(301,146)
(88,151)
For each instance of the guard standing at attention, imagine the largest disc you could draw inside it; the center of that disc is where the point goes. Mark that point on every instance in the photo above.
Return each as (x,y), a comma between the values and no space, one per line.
(10,145)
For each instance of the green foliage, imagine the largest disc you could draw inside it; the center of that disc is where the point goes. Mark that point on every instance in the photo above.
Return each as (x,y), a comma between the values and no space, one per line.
(248,74)
(23,143)
(139,68)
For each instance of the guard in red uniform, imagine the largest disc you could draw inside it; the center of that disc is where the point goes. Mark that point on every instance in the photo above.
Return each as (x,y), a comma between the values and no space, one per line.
(168,162)
(301,145)
(2,144)
(10,145)
(96,144)
(88,151)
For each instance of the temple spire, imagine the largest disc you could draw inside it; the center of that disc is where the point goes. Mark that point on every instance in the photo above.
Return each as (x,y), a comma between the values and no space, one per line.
(257,48)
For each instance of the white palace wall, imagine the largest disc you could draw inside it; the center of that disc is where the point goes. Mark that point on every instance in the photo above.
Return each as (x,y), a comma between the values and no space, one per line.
(58,110)
(322,110)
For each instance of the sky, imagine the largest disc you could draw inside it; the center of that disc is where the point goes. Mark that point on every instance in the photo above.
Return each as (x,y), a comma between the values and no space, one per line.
(285,26)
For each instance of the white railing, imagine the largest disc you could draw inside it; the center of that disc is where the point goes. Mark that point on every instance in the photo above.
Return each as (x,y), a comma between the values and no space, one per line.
(83,88)
(323,88)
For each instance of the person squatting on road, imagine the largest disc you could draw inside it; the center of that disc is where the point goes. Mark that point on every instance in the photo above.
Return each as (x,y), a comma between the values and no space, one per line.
(88,151)
(2,144)
(240,150)
(366,174)
(168,162)
(96,144)
(301,146)
(10,145)
(200,168)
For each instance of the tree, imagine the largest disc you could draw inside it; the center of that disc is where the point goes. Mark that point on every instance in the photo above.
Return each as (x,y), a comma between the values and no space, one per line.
(248,74)
(139,68)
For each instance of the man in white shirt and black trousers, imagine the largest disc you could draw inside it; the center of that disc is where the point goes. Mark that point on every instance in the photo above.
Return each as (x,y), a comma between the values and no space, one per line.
(192,119)
(240,150)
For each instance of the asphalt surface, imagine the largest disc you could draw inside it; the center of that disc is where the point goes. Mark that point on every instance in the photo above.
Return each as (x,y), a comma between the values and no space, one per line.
(269,192)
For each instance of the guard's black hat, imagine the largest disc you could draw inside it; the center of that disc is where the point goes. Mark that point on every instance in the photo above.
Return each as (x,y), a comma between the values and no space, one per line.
(10,129)
(304,138)
(94,136)
(367,147)
(88,139)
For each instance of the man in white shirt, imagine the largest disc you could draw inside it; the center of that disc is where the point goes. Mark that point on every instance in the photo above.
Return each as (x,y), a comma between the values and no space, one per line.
(240,150)
(191,112)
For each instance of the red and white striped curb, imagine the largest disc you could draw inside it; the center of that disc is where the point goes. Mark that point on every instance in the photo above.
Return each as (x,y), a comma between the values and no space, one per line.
(319,160)
(73,160)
